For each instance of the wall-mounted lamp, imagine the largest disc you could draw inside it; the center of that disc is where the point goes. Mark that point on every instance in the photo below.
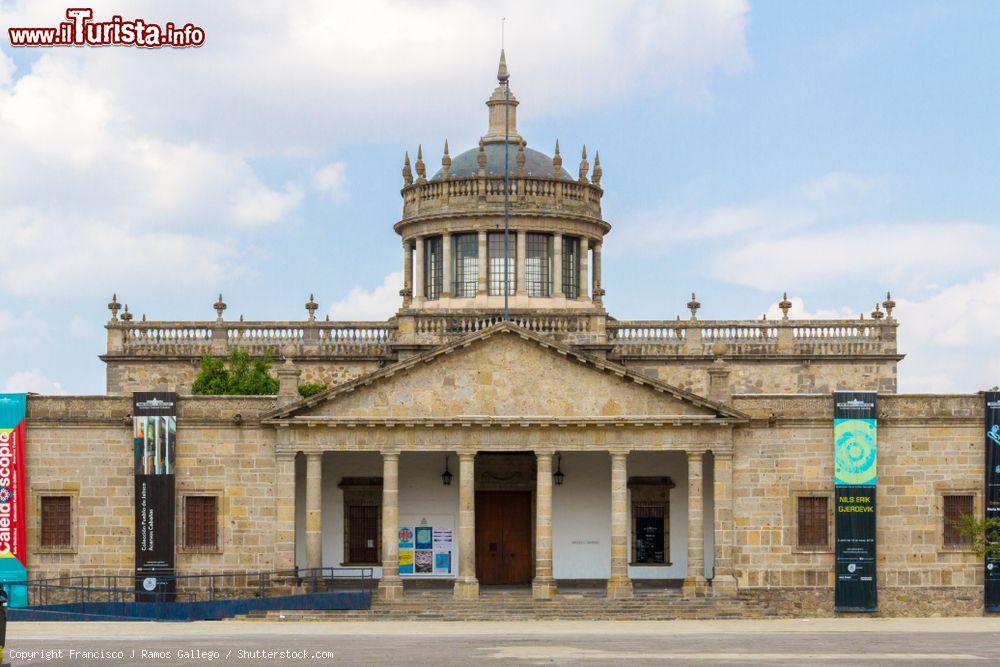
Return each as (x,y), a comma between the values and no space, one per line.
(559,477)
(446,475)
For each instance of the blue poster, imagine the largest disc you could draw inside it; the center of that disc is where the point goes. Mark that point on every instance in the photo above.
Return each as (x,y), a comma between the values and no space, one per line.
(425,537)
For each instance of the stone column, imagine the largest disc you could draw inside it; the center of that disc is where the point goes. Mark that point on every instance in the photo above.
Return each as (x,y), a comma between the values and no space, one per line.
(447,270)
(724,579)
(467,586)
(584,252)
(543,586)
(483,265)
(390,586)
(522,263)
(418,273)
(619,585)
(557,283)
(284,509)
(597,290)
(407,274)
(314,509)
(694,584)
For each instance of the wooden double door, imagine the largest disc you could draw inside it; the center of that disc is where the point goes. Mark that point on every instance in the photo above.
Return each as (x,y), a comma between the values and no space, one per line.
(503,537)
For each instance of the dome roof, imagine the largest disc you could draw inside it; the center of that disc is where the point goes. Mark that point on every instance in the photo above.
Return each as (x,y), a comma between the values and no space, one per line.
(536,163)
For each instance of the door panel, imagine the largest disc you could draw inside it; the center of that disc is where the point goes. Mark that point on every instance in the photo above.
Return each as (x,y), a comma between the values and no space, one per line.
(503,537)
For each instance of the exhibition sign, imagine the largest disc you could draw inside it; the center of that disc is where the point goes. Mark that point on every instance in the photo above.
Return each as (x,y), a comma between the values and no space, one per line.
(855,476)
(992,578)
(154,438)
(426,545)
(13,521)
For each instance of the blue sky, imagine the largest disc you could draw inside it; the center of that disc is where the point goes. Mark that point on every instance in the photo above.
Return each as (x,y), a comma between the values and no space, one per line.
(833,150)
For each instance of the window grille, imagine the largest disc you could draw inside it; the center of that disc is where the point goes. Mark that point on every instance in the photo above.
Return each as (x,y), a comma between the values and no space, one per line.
(956,507)
(571,267)
(538,265)
(201,522)
(650,534)
(813,522)
(56,525)
(363,534)
(495,251)
(466,265)
(433,269)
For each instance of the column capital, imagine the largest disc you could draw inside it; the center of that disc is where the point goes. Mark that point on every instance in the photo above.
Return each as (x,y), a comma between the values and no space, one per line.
(723,454)
(390,454)
(466,456)
(619,456)
(544,452)
(695,455)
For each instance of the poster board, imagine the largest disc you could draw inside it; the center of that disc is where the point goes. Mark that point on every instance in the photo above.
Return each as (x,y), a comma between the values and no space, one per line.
(427,545)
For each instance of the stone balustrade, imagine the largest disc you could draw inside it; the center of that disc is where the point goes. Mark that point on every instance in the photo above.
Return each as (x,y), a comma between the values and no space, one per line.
(486,192)
(624,338)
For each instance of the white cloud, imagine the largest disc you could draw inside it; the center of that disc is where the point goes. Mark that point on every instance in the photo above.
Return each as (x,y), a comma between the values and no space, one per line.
(799,311)
(258,205)
(32,381)
(7,69)
(376,304)
(331,180)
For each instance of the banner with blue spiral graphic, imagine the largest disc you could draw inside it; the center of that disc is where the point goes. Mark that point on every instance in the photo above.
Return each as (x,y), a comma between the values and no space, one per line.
(992,578)
(855,432)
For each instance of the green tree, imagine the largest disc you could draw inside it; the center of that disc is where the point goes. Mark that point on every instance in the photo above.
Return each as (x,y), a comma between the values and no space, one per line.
(311,389)
(984,533)
(244,376)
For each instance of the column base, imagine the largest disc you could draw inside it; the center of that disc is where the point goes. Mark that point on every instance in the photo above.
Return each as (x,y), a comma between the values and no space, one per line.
(725,585)
(695,587)
(466,588)
(543,588)
(390,590)
(619,588)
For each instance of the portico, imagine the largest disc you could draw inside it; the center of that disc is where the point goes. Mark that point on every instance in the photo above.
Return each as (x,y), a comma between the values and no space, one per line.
(646,471)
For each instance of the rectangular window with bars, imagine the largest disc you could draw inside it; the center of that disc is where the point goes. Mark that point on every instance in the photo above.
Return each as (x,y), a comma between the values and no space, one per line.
(433,267)
(813,522)
(956,507)
(494,245)
(650,533)
(201,522)
(571,267)
(363,533)
(538,264)
(465,260)
(57,524)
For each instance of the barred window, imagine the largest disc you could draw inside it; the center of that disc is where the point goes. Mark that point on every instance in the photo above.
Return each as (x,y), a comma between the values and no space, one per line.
(495,249)
(363,533)
(956,507)
(650,533)
(56,525)
(538,265)
(465,253)
(433,260)
(201,522)
(813,522)
(571,267)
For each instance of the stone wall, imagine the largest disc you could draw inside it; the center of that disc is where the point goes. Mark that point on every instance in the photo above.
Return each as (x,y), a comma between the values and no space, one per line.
(929,446)
(777,376)
(924,601)
(82,447)
(126,376)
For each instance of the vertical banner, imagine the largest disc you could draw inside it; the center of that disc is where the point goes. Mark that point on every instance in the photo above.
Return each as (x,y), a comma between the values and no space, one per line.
(154,438)
(992,578)
(855,476)
(13,521)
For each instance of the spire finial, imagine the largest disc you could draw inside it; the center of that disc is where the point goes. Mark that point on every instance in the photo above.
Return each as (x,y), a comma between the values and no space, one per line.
(407,172)
(785,305)
(220,307)
(598,172)
(126,316)
(557,163)
(520,157)
(421,169)
(114,306)
(888,304)
(481,158)
(311,308)
(693,305)
(584,165)
(502,74)
(877,314)
(445,162)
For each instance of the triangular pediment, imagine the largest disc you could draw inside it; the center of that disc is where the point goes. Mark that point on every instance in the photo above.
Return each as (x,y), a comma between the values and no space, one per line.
(505,372)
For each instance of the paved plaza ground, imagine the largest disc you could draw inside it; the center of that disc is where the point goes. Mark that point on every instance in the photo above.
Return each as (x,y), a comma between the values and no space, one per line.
(948,641)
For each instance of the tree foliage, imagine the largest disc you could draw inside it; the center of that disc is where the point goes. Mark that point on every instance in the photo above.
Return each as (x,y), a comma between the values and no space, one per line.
(311,389)
(244,376)
(984,533)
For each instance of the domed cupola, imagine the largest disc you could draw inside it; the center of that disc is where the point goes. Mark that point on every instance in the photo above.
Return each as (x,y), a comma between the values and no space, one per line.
(456,253)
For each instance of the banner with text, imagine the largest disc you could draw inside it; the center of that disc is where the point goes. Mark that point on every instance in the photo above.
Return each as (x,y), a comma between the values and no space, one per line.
(13,522)
(992,578)
(154,438)
(855,477)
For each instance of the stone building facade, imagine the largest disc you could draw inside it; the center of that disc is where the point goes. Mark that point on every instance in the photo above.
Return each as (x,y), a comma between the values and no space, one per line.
(585,450)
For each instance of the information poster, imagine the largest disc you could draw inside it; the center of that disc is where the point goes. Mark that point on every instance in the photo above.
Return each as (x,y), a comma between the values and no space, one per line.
(992,578)
(426,544)
(13,522)
(154,439)
(855,477)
